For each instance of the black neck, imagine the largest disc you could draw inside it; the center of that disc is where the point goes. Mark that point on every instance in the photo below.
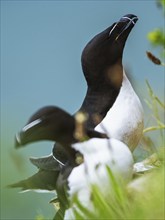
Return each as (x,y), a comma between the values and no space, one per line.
(100,97)
(102,92)
(97,103)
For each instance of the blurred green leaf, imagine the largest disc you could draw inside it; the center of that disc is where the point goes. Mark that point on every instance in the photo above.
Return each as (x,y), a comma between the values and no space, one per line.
(138,200)
(160,102)
(157,37)
(153,128)
(40,217)
(161,4)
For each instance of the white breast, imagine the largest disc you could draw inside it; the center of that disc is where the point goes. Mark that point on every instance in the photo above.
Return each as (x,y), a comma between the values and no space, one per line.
(124,121)
(98,154)
(111,152)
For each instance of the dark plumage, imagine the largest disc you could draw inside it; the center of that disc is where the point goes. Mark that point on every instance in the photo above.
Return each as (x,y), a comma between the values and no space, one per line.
(54,124)
(43,179)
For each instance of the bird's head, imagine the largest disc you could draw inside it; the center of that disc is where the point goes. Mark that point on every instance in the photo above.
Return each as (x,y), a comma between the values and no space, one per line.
(49,123)
(54,124)
(102,56)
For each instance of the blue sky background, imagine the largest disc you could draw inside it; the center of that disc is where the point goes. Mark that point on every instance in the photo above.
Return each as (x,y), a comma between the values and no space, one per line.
(41,45)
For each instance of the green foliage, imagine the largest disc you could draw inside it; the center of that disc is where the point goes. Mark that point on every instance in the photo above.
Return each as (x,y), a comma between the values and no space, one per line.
(105,206)
(148,201)
(39,217)
(155,120)
(157,37)
(141,199)
(155,104)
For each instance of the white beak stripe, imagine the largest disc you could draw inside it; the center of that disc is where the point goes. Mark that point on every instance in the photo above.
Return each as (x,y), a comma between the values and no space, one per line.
(130,19)
(31,124)
(112,29)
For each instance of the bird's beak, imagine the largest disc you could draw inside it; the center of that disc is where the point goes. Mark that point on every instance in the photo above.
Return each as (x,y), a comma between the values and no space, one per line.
(126,22)
(27,133)
(17,143)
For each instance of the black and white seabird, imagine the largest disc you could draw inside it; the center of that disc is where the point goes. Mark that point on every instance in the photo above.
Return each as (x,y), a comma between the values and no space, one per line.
(103,70)
(96,149)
